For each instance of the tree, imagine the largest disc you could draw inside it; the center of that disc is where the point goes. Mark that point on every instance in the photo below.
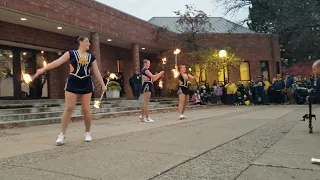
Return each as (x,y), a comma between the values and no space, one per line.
(295,22)
(192,26)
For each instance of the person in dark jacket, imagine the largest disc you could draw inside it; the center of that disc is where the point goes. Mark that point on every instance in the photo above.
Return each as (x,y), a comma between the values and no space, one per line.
(314,97)
(137,83)
(289,83)
(278,87)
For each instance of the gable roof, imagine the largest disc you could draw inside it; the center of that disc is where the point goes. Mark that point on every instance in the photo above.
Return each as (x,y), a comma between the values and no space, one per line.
(219,25)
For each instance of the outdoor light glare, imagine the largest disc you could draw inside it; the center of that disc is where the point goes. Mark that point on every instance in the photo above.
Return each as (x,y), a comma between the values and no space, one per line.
(109,40)
(10,56)
(190,69)
(143,48)
(59,27)
(177,51)
(42,52)
(23,19)
(24,53)
(222,53)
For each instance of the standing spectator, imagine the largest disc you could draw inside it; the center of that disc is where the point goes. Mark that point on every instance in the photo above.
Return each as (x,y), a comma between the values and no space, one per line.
(260,93)
(279,89)
(241,92)
(289,82)
(266,90)
(219,93)
(106,76)
(137,83)
(131,83)
(231,90)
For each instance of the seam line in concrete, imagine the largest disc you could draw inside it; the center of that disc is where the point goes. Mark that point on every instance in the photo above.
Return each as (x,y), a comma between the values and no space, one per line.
(65,174)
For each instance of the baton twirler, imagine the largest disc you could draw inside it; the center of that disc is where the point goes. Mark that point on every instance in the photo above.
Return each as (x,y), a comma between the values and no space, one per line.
(98,102)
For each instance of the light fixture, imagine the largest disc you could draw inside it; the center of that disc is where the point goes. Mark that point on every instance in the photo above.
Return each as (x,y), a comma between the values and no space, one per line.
(23,19)
(222,53)
(10,56)
(59,27)
(143,48)
(109,40)
(24,53)
(42,52)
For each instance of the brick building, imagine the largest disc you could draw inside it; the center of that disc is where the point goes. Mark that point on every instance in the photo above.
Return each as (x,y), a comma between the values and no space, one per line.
(32,31)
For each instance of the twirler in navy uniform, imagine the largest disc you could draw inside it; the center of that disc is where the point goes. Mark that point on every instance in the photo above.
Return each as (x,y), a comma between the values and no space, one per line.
(79,80)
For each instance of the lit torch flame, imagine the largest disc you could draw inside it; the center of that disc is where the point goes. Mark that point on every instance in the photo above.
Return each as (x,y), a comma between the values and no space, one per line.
(96,104)
(27,78)
(160,84)
(175,73)
(45,63)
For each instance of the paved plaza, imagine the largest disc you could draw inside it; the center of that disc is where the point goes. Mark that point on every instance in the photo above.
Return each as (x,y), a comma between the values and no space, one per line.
(220,143)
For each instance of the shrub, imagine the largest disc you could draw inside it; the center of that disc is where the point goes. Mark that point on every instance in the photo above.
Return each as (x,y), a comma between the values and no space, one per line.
(113,85)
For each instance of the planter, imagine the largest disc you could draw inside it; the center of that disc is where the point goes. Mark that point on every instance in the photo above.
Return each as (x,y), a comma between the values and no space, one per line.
(113,94)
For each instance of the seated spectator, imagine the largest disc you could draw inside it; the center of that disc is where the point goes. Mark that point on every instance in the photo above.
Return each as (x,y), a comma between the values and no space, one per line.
(239,99)
(206,97)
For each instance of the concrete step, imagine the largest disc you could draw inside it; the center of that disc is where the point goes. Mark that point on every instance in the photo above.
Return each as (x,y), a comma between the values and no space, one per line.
(44,121)
(77,112)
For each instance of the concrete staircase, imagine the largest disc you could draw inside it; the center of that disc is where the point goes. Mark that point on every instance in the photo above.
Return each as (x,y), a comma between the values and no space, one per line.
(47,111)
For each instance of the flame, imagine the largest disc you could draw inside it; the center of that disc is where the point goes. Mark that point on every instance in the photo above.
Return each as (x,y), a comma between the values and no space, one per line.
(113,76)
(175,73)
(27,78)
(164,60)
(161,84)
(45,63)
(96,104)
(190,69)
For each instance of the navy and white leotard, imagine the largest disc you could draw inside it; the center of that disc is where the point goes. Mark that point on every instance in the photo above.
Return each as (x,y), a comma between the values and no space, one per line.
(183,89)
(146,84)
(79,80)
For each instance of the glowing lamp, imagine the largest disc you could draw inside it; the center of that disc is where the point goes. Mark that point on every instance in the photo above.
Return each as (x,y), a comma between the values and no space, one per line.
(222,53)
(177,51)
(113,76)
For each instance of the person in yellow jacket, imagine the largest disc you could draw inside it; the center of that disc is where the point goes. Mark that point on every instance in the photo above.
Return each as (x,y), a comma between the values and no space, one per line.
(231,90)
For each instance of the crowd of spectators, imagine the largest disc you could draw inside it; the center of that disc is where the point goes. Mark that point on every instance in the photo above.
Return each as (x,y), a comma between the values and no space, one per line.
(255,92)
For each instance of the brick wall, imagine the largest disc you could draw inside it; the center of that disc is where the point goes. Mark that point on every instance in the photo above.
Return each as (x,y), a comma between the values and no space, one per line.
(27,35)
(90,15)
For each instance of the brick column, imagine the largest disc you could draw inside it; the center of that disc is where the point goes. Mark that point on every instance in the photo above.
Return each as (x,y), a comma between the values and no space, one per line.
(135,57)
(95,50)
(129,70)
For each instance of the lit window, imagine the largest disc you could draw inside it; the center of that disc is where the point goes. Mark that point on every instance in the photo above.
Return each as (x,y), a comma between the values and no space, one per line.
(245,71)
(197,70)
(220,75)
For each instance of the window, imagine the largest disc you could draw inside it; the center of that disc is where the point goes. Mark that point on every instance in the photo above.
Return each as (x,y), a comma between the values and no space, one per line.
(245,71)
(224,78)
(6,77)
(278,67)
(197,71)
(264,66)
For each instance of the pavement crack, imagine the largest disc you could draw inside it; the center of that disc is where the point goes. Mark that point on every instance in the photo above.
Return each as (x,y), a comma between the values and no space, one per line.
(284,167)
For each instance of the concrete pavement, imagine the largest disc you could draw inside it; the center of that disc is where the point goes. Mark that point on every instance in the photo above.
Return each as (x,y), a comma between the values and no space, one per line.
(241,142)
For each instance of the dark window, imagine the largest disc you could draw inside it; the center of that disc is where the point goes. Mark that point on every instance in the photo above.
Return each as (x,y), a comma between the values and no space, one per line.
(264,66)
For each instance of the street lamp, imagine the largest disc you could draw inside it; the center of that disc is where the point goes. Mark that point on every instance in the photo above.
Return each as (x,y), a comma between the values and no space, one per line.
(223,55)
